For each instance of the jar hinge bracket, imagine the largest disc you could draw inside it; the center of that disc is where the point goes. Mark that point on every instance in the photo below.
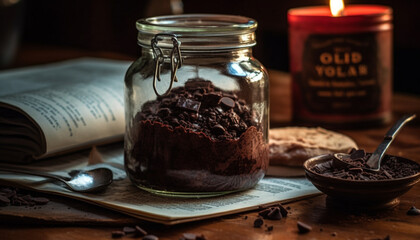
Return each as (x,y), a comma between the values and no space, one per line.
(175,58)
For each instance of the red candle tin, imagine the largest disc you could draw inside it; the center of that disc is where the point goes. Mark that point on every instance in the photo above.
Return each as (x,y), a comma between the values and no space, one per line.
(341,66)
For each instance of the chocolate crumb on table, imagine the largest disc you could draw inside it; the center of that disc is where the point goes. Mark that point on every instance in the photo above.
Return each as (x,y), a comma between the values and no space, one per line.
(150,237)
(134,232)
(18,197)
(258,222)
(270,228)
(192,236)
(129,230)
(273,213)
(188,236)
(140,232)
(413,211)
(303,227)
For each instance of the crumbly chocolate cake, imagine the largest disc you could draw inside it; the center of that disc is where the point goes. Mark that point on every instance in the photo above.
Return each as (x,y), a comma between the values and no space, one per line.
(198,138)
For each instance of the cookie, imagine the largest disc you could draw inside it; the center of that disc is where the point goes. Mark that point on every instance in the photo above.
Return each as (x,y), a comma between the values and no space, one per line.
(291,146)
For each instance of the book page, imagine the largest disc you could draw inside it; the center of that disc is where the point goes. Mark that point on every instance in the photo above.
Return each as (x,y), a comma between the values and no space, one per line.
(75,103)
(124,197)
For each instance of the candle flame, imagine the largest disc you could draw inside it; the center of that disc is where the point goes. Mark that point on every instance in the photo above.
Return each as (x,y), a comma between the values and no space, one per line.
(337,7)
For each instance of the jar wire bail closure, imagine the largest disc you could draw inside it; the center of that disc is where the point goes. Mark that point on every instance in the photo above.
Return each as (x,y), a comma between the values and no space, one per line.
(176,60)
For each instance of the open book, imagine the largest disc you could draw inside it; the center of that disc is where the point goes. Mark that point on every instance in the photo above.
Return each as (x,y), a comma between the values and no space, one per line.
(62,107)
(51,109)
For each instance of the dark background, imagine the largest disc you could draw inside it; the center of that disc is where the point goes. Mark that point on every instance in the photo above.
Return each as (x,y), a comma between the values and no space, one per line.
(109,25)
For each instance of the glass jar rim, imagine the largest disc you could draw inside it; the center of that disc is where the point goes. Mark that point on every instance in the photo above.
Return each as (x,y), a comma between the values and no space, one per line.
(210,24)
(220,31)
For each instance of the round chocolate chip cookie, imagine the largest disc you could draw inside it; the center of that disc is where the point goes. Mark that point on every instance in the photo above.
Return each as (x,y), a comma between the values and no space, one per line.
(291,146)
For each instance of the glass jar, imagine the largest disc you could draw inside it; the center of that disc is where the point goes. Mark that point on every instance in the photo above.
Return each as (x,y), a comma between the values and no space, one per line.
(196,105)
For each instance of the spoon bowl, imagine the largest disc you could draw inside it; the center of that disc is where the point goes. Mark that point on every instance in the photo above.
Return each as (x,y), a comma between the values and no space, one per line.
(344,160)
(93,180)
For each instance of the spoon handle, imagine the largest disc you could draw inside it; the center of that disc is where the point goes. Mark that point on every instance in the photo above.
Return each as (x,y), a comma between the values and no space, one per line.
(31,172)
(397,126)
(375,159)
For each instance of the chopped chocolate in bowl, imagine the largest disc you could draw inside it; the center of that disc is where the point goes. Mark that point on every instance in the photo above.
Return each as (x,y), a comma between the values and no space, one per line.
(391,168)
(197,139)
(358,189)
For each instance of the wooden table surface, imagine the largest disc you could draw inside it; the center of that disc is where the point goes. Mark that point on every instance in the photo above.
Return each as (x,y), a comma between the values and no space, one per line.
(326,222)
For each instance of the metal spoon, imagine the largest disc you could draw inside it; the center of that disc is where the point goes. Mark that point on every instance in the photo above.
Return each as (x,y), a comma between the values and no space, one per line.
(374,161)
(84,181)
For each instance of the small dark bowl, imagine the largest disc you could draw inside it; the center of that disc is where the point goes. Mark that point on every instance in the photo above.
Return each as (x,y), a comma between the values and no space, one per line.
(373,194)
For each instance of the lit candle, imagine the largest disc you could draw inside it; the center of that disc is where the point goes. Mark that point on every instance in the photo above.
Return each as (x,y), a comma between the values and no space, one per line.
(341,64)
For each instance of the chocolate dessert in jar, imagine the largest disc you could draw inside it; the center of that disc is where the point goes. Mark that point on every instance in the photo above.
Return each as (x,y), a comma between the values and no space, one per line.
(196,106)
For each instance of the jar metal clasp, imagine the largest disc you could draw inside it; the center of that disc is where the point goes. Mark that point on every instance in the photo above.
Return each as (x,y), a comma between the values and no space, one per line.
(175,58)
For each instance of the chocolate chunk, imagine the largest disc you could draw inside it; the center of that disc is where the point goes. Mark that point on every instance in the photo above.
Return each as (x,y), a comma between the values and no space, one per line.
(117,234)
(387,174)
(188,104)
(264,213)
(230,95)
(270,228)
(166,102)
(218,130)
(40,200)
(227,102)
(140,232)
(274,214)
(283,210)
(27,198)
(4,201)
(334,234)
(211,99)
(234,119)
(200,237)
(164,112)
(303,227)
(129,230)
(258,223)
(150,237)
(358,154)
(413,211)
(188,236)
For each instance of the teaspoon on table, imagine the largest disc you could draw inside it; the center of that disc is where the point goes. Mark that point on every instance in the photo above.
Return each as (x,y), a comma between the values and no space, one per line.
(374,161)
(84,181)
